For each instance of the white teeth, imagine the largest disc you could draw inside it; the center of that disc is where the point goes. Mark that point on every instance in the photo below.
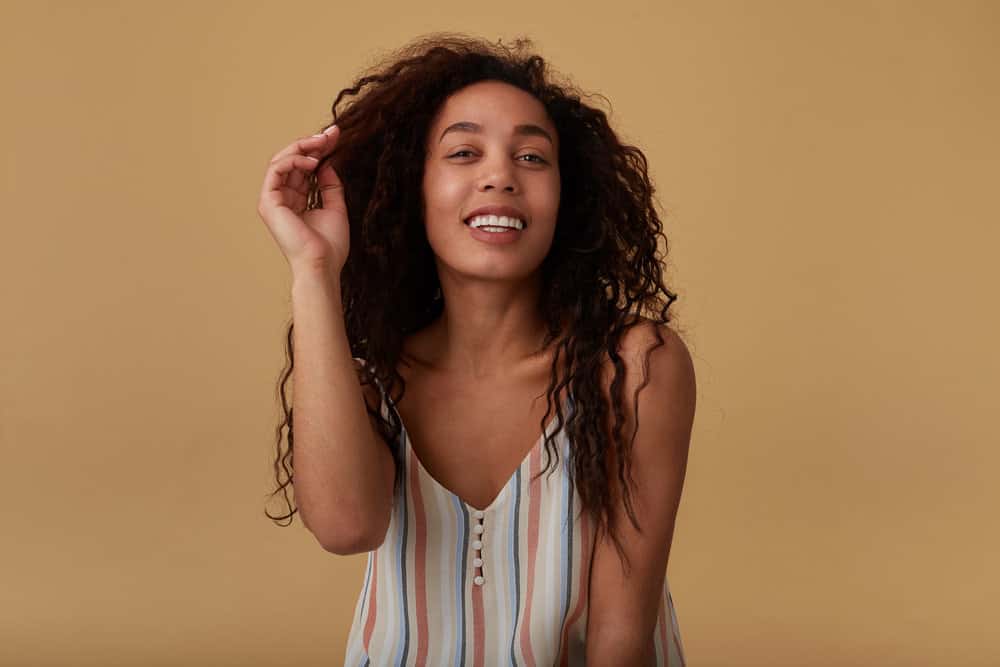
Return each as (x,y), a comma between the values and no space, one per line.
(495,221)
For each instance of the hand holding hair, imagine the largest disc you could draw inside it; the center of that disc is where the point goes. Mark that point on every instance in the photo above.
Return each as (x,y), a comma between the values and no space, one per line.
(313,239)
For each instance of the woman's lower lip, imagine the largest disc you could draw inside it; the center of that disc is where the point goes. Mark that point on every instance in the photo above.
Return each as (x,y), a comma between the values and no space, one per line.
(496,238)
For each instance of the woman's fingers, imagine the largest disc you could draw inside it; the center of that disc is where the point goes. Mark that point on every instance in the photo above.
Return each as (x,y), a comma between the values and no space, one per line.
(299,147)
(330,187)
(313,146)
(307,145)
(285,179)
(317,146)
(276,174)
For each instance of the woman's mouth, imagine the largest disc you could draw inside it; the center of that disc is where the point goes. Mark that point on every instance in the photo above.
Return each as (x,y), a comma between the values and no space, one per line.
(496,230)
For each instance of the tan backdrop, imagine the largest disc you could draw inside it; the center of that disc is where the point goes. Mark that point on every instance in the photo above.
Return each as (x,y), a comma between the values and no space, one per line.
(828,172)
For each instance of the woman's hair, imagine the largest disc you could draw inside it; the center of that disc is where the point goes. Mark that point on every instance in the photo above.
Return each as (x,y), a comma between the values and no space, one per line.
(601,276)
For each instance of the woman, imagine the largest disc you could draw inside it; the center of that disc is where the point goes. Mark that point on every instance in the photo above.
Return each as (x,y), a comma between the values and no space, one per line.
(471,231)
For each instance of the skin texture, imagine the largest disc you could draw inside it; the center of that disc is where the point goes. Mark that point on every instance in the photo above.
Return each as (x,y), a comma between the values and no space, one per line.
(490,321)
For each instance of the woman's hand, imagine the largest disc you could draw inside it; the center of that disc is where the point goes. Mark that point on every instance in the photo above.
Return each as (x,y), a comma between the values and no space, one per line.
(314,239)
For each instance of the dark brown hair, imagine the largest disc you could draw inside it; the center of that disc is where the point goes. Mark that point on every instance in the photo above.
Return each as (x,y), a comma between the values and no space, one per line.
(602,275)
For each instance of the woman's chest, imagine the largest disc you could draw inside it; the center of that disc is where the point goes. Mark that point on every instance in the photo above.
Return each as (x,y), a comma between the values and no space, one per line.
(471,439)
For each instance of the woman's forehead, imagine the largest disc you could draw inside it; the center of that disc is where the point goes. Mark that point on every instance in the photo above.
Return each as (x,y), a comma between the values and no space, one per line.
(491,107)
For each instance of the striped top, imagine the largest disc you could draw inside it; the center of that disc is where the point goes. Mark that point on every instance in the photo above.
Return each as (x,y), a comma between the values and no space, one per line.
(505,585)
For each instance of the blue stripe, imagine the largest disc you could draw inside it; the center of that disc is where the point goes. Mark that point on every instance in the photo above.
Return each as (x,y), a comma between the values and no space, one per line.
(463,559)
(515,559)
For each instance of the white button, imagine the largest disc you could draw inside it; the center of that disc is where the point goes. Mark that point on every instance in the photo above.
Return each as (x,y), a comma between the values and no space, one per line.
(477,529)
(478,581)
(479,514)
(477,545)
(477,562)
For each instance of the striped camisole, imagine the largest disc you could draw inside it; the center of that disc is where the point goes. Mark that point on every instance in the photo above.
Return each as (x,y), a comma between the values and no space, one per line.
(452,585)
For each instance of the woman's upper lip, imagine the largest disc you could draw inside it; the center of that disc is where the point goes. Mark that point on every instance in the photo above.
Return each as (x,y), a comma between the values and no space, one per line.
(497,209)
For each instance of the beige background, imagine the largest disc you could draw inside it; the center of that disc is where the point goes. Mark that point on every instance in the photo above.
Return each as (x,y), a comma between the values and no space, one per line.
(826,170)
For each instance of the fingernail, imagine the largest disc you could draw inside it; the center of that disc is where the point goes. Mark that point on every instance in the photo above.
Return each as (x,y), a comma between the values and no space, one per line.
(329,129)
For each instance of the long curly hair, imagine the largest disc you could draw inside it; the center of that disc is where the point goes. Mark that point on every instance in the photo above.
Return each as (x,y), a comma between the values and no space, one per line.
(603,273)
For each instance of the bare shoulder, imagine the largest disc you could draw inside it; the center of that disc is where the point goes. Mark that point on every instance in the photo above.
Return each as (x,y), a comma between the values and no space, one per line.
(669,369)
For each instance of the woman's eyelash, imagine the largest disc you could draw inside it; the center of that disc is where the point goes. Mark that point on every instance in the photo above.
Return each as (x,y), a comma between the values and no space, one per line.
(539,157)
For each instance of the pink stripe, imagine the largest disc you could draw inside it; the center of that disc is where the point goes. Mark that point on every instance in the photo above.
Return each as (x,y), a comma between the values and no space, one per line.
(419,561)
(583,593)
(534,513)
(372,599)
(478,627)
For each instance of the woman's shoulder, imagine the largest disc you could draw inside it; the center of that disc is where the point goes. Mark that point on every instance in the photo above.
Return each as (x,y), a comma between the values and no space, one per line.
(645,359)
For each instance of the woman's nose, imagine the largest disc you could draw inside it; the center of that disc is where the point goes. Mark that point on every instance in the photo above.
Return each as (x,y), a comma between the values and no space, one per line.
(498,174)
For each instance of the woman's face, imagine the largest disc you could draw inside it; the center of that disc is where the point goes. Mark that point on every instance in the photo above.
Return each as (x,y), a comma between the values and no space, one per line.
(504,151)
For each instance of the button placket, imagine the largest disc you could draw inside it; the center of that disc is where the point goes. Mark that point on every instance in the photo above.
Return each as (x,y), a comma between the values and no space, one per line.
(477,546)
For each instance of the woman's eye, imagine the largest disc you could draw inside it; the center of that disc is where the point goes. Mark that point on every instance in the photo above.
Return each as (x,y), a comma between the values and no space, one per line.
(538,158)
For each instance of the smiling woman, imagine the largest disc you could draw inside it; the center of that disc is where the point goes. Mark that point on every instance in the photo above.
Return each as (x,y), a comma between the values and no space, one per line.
(503,125)
(473,234)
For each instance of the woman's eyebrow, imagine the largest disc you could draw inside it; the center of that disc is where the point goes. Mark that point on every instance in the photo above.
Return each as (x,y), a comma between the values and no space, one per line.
(526,129)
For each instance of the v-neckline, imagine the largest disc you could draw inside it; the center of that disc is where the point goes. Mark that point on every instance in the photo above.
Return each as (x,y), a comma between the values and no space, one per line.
(503,490)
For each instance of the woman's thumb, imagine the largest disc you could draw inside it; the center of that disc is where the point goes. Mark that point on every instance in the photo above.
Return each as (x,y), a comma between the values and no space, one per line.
(331,190)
